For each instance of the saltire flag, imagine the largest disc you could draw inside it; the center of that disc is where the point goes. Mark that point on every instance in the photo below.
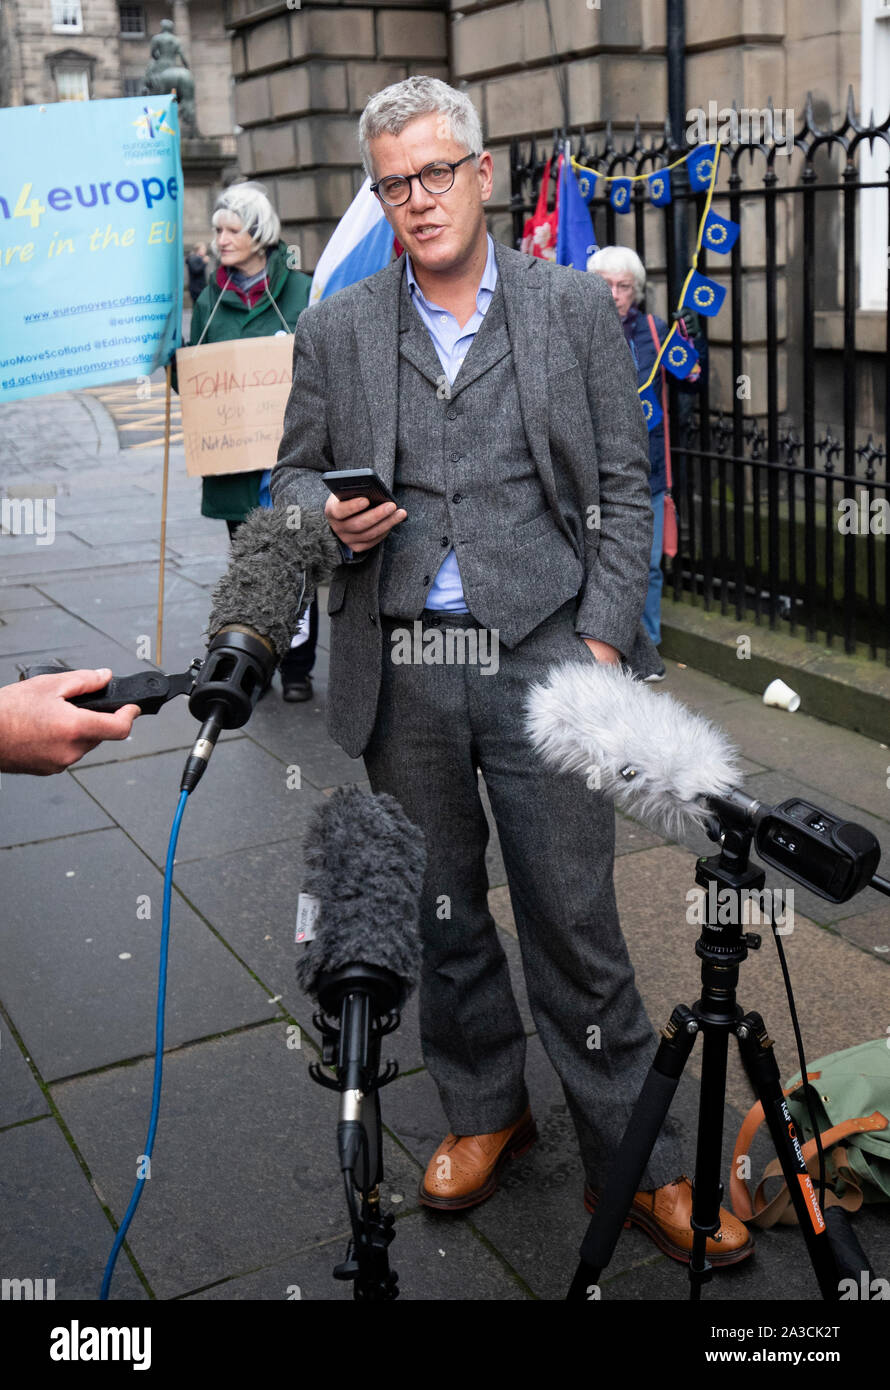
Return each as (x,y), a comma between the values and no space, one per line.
(360,245)
(652,411)
(575,238)
(679,357)
(660,188)
(701,164)
(703,295)
(720,234)
(619,195)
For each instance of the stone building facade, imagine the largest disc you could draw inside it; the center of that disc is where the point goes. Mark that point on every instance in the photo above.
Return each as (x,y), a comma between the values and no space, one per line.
(303,69)
(290,77)
(56,50)
(302,76)
(70,50)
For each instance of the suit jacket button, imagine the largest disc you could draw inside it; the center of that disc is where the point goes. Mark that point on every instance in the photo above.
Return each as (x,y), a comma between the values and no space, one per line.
(426,579)
(457,497)
(373,617)
(444,540)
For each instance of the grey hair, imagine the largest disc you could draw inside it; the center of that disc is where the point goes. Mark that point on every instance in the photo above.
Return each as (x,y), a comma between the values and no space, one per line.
(388,112)
(249,203)
(616,260)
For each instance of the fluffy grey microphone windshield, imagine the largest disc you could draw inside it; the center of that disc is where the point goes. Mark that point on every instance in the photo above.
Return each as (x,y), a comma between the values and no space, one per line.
(597,720)
(264,588)
(365,862)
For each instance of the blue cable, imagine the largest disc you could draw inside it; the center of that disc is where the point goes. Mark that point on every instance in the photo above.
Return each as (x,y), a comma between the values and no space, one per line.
(159,1047)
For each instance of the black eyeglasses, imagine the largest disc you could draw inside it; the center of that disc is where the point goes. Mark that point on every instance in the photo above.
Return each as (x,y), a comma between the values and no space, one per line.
(435,178)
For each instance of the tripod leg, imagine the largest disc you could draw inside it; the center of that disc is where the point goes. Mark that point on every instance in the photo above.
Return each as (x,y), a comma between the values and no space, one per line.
(707,1191)
(624,1178)
(763,1072)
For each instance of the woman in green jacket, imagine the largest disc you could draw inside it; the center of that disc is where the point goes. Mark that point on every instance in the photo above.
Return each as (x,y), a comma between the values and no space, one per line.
(254,294)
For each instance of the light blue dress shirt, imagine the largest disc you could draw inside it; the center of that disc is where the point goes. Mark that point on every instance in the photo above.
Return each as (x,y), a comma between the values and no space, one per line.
(452,343)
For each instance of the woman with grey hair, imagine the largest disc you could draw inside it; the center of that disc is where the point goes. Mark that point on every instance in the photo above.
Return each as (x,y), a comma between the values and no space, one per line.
(625,274)
(253,294)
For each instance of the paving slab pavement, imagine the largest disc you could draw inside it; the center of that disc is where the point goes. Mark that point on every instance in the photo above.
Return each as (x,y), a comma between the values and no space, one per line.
(244,1201)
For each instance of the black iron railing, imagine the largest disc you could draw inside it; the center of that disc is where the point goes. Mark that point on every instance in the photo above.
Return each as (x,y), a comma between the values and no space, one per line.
(783,517)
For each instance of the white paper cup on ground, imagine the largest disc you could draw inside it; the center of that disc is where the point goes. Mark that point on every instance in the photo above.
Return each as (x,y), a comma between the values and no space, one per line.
(782,696)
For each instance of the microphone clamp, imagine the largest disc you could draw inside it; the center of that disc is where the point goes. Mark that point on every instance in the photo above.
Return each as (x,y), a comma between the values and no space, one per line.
(233,675)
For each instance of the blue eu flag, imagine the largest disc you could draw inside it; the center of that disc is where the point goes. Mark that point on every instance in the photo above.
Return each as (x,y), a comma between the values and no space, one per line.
(703,295)
(679,357)
(575,240)
(660,188)
(652,411)
(619,195)
(586,183)
(700,164)
(719,234)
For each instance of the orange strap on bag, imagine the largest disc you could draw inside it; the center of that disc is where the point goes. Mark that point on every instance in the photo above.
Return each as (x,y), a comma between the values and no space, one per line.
(764,1212)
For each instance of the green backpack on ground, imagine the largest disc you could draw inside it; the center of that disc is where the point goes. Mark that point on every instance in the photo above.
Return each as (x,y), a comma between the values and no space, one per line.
(851,1103)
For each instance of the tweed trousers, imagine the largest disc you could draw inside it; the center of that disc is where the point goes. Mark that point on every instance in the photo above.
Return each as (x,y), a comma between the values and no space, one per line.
(438,725)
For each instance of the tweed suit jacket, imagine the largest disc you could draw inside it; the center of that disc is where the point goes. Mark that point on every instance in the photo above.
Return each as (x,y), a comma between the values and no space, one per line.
(583,423)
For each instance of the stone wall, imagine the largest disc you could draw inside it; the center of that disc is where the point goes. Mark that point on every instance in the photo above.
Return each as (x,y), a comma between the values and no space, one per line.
(302,77)
(31,34)
(29,45)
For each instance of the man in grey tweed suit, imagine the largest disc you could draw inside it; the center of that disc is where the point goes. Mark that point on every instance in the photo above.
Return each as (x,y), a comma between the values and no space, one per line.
(494,395)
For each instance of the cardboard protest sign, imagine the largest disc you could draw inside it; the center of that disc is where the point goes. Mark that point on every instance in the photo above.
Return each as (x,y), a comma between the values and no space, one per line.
(233,396)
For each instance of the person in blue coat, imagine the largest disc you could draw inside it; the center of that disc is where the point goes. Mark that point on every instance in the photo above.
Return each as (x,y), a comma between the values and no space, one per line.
(625,275)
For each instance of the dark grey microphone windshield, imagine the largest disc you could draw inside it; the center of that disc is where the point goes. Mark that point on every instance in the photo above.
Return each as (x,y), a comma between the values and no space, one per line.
(365,862)
(275,569)
(646,751)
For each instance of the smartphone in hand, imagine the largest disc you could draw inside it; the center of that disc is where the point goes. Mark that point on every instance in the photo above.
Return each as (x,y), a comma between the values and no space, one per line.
(346,483)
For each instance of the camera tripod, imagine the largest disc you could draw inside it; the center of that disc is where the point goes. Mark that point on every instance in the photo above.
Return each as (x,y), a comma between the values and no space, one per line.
(722,949)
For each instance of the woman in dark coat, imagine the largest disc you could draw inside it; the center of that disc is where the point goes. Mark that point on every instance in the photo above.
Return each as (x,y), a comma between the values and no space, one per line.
(625,275)
(254,293)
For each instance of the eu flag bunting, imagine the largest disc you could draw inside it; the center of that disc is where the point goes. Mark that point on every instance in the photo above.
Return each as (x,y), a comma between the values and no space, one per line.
(586,183)
(660,188)
(703,295)
(619,195)
(700,165)
(679,357)
(719,234)
(652,411)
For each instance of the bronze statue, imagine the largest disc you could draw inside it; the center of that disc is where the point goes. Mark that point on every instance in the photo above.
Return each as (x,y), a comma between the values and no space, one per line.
(168,71)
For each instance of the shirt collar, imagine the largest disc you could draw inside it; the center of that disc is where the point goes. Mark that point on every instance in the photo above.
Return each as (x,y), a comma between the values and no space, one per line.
(488,281)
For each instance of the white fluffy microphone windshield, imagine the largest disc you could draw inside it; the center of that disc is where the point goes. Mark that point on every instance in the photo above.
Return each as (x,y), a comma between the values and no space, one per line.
(647,752)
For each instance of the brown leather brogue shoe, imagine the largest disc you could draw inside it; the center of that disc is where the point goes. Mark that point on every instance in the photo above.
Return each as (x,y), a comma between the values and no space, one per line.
(665,1216)
(464,1169)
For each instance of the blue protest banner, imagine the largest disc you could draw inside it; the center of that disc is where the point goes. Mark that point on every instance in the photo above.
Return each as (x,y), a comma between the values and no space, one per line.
(91,258)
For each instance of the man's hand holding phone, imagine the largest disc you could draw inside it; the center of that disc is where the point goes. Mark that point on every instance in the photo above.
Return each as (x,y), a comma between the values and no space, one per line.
(360,526)
(360,521)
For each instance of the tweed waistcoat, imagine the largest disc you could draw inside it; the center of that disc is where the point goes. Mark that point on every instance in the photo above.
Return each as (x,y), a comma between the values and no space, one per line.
(465,476)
